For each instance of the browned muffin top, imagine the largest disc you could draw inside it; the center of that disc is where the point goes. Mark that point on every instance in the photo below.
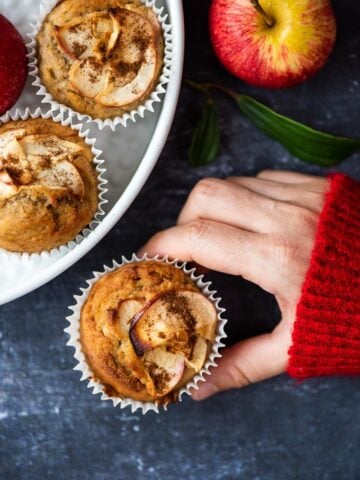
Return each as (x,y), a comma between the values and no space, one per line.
(48,185)
(110,53)
(146,330)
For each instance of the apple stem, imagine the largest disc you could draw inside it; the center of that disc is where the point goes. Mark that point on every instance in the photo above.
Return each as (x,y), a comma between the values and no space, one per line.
(270,22)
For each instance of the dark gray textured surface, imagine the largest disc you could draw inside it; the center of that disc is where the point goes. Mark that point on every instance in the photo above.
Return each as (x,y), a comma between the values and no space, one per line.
(51,427)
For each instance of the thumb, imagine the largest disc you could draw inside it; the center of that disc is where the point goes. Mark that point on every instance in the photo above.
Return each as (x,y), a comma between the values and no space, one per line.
(246,362)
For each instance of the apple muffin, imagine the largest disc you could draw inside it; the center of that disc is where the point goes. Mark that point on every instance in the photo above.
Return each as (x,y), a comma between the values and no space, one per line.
(146,330)
(48,185)
(102,58)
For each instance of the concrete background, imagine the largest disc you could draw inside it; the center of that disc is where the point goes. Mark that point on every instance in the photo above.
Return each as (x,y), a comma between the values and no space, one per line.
(50,425)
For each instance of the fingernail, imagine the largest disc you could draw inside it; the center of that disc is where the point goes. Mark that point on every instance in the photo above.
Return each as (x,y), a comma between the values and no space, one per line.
(205,390)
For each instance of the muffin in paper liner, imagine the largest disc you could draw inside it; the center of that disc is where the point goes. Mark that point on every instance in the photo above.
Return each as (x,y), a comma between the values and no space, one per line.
(84,134)
(45,8)
(73,330)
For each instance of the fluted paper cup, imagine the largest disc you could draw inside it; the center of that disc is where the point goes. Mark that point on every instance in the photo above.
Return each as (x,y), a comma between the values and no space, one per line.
(101,171)
(46,7)
(73,330)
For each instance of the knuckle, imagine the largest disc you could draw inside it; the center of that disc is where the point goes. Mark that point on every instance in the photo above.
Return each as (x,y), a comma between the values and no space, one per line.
(275,207)
(206,188)
(237,377)
(283,249)
(157,237)
(197,231)
(316,200)
(305,218)
(246,373)
(264,173)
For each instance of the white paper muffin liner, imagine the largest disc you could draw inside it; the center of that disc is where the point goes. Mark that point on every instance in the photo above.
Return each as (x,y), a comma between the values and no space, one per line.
(84,134)
(74,332)
(45,8)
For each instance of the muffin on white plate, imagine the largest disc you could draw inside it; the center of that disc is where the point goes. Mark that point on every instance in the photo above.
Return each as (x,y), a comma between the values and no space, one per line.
(101,58)
(50,184)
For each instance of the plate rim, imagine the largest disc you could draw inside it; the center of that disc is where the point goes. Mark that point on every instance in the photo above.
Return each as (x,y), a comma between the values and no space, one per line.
(141,175)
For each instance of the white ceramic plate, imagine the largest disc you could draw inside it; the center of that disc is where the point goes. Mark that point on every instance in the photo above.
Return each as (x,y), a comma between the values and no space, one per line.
(130,155)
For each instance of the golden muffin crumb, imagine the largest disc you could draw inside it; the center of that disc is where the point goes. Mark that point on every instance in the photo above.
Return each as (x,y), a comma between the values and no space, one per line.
(102,58)
(146,330)
(48,185)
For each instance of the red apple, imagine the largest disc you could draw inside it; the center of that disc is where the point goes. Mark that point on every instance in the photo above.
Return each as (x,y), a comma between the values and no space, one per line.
(272,43)
(13,65)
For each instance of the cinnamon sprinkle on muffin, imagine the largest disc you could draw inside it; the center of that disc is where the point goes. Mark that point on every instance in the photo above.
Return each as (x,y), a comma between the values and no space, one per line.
(102,58)
(48,185)
(146,330)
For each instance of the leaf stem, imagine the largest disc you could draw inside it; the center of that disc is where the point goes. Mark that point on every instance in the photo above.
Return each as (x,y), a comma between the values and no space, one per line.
(225,90)
(206,87)
(310,145)
(201,87)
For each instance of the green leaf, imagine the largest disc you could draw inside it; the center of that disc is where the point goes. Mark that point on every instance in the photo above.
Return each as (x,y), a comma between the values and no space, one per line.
(205,144)
(302,141)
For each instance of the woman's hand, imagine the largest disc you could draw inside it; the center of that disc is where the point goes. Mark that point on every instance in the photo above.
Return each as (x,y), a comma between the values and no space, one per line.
(263,229)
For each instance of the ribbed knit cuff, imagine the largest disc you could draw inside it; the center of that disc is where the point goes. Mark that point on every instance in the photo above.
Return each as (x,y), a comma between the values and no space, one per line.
(326,334)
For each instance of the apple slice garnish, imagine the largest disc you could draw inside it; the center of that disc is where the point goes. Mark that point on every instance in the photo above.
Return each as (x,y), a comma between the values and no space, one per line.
(198,355)
(132,66)
(88,77)
(79,38)
(196,361)
(120,96)
(76,38)
(150,15)
(62,175)
(135,364)
(8,188)
(9,145)
(49,146)
(119,79)
(204,312)
(9,136)
(171,319)
(156,326)
(106,31)
(166,369)
(126,311)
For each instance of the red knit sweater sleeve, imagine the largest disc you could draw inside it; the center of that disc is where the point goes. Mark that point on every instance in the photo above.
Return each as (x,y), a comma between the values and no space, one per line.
(326,334)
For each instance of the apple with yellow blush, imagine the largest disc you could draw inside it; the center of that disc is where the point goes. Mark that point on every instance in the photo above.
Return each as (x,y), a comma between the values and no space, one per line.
(273,43)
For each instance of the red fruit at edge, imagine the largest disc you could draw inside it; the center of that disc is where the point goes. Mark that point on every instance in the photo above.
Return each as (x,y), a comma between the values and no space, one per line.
(13,65)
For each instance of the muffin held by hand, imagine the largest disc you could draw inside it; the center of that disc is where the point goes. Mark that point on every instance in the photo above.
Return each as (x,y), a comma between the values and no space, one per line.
(146,330)
(48,185)
(102,58)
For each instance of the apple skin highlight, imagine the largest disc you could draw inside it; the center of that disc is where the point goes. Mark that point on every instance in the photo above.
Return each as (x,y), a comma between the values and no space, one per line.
(290,51)
(13,65)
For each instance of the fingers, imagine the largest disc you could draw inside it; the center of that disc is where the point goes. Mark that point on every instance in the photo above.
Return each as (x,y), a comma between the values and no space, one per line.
(213,245)
(296,194)
(286,176)
(230,203)
(247,362)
